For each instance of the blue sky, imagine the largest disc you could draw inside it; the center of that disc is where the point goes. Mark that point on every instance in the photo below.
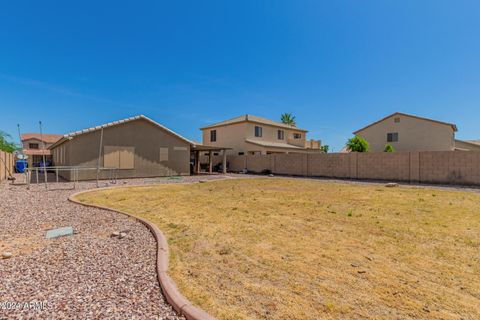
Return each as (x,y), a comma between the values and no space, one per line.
(337,65)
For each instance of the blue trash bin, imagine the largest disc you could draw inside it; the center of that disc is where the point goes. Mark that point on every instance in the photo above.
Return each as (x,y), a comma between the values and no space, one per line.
(21,165)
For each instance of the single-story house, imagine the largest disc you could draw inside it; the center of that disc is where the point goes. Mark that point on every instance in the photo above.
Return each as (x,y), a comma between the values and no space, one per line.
(137,147)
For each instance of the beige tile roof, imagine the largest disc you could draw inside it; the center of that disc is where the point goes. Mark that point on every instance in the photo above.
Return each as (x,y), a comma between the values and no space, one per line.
(114,123)
(36,152)
(251,118)
(475,142)
(48,138)
(273,144)
(454,126)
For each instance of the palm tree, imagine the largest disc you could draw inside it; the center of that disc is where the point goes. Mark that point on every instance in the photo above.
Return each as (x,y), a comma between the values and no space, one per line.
(288,118)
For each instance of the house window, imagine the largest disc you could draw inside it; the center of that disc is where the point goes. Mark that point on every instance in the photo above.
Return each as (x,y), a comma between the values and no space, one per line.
(163,154)
(213,135)
(258,131)
(297,135)
(241,153)
(119,157)
(33,145)
(280,134)
(392,137)
(215,153)
(396,119)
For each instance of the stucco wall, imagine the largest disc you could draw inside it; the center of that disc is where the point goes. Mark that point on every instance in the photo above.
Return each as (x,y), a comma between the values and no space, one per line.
(234,135)
(147,139)
(413,135)
(231,136)
(269,133)
(448,167)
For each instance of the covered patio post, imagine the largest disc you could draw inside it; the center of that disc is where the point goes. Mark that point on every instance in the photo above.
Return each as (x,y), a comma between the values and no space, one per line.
(224,162)
(197,162)
(210,162)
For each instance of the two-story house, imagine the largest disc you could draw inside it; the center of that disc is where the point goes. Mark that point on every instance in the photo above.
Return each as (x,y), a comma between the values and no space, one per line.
(249,134)
(406,132)
(35,148)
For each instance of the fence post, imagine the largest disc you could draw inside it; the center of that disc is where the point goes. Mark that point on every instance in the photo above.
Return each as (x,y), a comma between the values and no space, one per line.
(305,164)
(353,162)
(414,166)
(2,166)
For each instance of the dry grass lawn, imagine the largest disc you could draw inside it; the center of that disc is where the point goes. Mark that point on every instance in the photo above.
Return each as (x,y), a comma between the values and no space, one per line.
(304,249)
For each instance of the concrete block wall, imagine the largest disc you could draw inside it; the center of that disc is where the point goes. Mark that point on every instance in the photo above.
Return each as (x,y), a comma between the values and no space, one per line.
(447,167)
(290,164)
(237,163)
(259,163)
(459,167)
(335,165)
(384,166)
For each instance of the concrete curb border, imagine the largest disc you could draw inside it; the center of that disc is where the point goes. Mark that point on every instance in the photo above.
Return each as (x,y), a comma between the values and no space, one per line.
(173,296)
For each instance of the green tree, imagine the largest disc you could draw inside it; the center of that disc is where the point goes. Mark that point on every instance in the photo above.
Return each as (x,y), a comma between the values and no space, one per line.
(6,144)
(357,144)
(389,148)
(288,118)
(325,148)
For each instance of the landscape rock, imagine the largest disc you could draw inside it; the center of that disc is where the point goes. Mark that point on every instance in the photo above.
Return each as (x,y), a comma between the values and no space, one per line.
(391,185)
(86,276)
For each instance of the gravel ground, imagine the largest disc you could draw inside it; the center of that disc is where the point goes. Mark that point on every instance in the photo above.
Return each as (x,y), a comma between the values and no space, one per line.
(87,275)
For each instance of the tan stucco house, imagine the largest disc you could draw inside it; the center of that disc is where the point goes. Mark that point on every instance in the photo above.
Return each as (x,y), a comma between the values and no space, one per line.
(407,132)
(137,146)
(35,147)
(250,134)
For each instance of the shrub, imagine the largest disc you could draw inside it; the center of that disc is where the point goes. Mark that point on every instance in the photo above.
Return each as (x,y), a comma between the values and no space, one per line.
(325,148)
(389,148)
(6,144)
(357,144)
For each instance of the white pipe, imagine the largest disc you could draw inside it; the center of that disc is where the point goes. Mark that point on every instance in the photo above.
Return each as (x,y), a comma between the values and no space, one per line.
(99,154)
(44,157)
